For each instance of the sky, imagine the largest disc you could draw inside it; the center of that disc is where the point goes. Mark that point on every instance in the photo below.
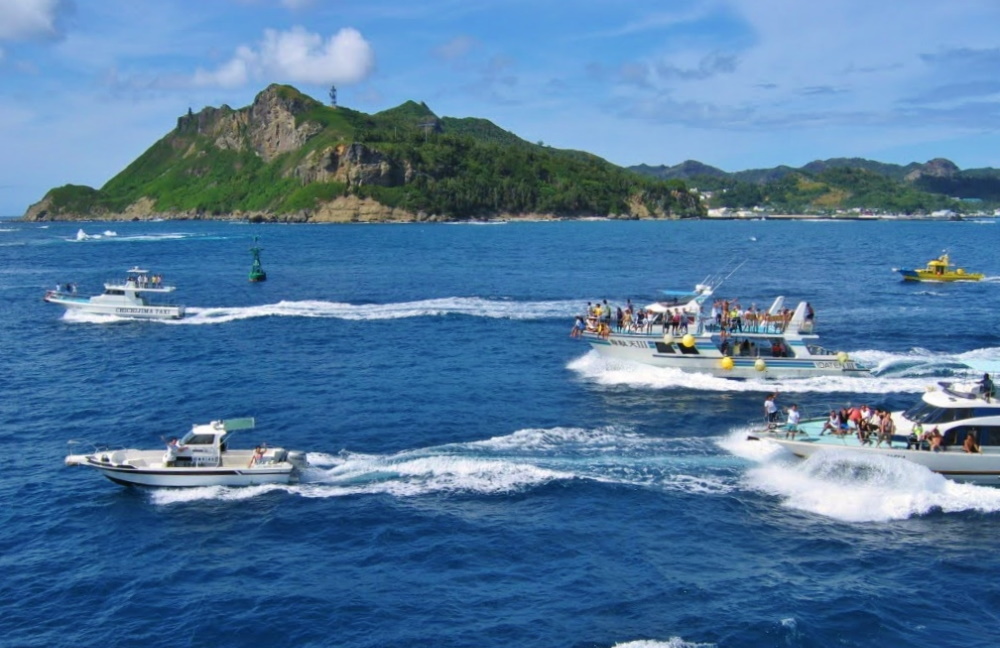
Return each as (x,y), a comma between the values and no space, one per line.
(86,86)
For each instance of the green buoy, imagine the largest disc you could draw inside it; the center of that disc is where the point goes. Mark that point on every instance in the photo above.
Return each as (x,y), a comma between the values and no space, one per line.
(256,272)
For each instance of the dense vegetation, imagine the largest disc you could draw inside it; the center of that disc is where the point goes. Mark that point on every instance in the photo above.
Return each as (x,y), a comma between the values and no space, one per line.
(844,183)
(457,168)
(829,190)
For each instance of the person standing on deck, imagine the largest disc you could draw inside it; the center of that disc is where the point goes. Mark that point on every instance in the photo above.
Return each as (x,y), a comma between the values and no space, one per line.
(771,410)
(792,426)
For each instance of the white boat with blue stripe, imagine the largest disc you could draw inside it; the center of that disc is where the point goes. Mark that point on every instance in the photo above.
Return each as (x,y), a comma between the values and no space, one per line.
(953,430)
(121,298)
(202,457)
(690,332)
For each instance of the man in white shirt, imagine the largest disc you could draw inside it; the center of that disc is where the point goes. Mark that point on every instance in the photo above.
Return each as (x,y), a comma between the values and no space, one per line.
(792,426)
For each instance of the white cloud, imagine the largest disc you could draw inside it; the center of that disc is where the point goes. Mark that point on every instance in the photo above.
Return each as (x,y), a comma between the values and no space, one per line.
(296,55)
(456,48)
(30,19)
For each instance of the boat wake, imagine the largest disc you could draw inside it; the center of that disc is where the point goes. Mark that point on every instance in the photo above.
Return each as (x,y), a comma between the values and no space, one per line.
(471,306)
(515,463)
(894,373)
(854,488)
(82,236)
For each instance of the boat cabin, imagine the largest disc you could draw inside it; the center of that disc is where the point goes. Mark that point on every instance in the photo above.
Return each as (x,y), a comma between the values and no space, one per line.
(205,444)
(960,409)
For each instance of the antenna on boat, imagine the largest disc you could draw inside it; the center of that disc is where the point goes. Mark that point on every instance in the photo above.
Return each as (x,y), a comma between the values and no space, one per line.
(714,281)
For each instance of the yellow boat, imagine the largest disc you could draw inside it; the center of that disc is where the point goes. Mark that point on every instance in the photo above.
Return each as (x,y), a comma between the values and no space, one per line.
(940,269)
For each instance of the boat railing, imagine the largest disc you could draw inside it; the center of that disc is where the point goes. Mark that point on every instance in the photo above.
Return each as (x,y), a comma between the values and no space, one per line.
(145,286)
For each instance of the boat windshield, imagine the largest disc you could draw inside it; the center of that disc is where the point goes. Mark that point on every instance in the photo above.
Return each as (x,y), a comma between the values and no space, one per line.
(192,438)
(927,413)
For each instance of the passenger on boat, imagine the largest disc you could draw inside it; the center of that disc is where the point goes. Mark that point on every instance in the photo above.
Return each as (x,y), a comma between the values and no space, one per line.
(970,444)
(936,440)
(886,428)
(870,420)
(771,410)
(174,450)
(986,387)
(915,438)
(792,425)
(844,421)
(606,313)
(578,327)
(854,419)
(258,454)
(832,424)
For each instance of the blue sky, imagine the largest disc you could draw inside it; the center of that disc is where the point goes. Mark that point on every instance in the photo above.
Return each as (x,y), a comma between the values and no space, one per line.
(87,85)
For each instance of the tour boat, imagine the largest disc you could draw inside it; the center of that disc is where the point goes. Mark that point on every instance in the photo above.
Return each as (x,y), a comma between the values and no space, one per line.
(685,333)
(121,298)
(956,410)
(940,269)
(202,457)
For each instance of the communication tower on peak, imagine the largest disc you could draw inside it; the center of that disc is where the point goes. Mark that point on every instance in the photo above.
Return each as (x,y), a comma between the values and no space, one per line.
(333,96)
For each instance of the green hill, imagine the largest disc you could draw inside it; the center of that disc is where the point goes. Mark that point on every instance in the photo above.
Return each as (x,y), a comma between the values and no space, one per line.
(843,183)
(288,157)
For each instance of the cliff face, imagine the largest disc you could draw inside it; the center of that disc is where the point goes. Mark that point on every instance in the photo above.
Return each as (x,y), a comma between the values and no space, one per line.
(287,157)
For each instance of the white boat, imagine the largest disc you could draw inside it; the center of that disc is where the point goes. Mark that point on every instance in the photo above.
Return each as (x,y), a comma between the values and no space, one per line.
(121,298)
(202,457)
(684,333)
(957,410)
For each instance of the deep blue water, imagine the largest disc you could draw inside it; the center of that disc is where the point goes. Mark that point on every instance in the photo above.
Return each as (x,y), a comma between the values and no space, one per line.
(480,478)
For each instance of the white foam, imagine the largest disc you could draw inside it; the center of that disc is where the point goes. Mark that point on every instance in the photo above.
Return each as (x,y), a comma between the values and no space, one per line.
(855,488)
(521,461)
(82,236)
(672,642)
(894,373)
(471,306)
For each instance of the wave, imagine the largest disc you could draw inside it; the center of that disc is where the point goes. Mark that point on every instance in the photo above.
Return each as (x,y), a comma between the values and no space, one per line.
(521,461)
(82,236)
(673,642)
(853,488)
(470,306)
(893,373)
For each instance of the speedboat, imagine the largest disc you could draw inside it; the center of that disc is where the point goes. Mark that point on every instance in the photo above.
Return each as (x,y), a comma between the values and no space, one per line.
(956,411)
(688,332)
(202,457)
(940,269)
(122,297)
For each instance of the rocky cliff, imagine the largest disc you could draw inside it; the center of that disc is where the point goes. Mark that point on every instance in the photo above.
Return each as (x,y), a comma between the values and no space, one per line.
(286,157)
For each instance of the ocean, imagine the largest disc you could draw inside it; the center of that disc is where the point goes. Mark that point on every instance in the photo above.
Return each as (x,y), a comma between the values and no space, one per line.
(479,478)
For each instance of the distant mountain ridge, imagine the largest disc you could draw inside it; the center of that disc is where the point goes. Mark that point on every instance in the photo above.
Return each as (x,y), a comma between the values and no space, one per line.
(287,157)
(935,184)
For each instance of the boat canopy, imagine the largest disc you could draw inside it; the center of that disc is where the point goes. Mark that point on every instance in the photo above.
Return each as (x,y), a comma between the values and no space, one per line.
(680,293)
(984,365)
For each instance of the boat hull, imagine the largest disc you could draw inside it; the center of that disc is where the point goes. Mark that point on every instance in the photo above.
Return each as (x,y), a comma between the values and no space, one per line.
(135,311)
(983,469)
(144,468)
(923,275)
(706,358)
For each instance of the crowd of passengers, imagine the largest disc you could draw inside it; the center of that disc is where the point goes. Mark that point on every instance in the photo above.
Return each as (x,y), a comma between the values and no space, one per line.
(600,319)
(727,317)
(877,427)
